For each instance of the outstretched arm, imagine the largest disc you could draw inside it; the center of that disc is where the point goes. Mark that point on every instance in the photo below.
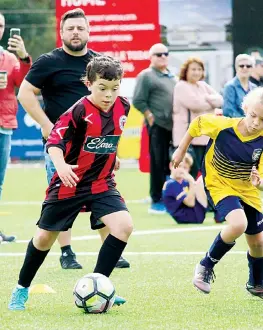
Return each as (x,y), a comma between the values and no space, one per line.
(179,153)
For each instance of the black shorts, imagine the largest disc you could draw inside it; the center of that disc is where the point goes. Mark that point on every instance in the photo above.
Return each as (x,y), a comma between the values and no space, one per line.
(254,217)
(61,214)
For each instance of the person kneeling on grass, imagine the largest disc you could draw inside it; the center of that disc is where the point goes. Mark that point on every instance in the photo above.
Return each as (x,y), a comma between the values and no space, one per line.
(184,198)
(233,178)
(82,146)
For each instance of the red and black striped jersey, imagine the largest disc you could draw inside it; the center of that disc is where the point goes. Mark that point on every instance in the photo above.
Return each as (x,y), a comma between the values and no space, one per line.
(89,138)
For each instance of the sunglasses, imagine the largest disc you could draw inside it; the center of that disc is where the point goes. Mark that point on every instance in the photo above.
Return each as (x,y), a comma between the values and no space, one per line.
(161,54)
(248,66)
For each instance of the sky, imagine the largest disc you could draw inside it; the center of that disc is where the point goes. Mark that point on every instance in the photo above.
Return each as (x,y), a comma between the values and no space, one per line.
(192,12)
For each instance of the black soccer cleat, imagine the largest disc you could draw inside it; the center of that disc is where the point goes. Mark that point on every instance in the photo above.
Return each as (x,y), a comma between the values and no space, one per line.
(6,238)
(68,261)
(255,290)
(122,263)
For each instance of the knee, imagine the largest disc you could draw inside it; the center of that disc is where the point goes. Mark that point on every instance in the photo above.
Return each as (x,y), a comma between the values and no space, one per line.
(256,245)
(239,228)
(123,230)
(126,228)
(43,240)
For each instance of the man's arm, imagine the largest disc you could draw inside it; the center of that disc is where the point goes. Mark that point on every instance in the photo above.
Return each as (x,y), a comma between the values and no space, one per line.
(27,96)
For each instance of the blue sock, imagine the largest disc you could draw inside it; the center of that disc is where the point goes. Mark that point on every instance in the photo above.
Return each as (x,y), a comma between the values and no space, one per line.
(255,266)
(216,252)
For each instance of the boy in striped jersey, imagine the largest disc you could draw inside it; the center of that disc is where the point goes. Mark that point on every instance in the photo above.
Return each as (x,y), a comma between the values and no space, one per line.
(83,146)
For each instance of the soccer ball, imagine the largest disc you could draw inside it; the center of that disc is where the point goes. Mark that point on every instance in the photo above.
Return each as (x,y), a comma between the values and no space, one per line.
(94,293)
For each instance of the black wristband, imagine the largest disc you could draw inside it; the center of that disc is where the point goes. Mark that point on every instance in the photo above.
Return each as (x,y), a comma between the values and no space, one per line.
(26,59)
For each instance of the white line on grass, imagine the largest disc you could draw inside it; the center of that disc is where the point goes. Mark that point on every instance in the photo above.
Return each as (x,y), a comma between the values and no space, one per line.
(169,253)
(146,232)
(26,203)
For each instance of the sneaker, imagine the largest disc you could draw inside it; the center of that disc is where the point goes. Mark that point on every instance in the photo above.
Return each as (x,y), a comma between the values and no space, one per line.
(68,261)
(202,278)
(122,263)
(18,299)
(119,301)
(6,238)
(157,208)
(255,290)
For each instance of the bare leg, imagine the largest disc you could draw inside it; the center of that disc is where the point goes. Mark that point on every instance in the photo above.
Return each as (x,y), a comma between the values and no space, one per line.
(64,238)
(104,232)
(236,226)
(255,243)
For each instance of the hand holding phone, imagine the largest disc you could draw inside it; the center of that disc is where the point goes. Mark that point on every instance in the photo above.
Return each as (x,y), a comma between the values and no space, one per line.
(15,31)
(16,43)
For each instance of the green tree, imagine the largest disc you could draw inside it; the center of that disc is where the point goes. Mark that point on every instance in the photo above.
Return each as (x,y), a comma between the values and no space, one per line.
(36,19)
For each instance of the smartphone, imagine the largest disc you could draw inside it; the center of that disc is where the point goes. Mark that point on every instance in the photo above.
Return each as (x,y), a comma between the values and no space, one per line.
(14,31)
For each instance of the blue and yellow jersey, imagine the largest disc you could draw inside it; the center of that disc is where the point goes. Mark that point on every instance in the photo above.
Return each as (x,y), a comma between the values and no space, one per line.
(229,159)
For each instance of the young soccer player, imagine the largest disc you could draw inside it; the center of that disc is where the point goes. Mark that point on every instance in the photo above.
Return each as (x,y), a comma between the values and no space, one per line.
(184,198)
(82,146)
(232,174)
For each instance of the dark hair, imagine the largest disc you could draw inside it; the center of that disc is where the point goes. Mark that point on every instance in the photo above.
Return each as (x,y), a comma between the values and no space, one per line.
(103,67)
(74,13)
(185,67)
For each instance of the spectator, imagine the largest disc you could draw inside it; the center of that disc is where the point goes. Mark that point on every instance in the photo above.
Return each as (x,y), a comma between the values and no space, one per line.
(193,97)
(257,73)
(13,69)
(238,87)
(153,97)
(255,53)
(184,198)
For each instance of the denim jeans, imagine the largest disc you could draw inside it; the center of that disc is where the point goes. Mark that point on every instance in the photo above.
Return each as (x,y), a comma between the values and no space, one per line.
(5,148)
(50,168)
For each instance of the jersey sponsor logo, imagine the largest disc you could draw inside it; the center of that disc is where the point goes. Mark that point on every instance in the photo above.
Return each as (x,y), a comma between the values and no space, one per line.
(122,122)
(102,144)
(256,154)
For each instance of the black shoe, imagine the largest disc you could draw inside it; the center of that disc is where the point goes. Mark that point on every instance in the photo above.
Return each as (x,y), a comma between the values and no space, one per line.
(6,238)
(122,263)
(255,290)
(68,261)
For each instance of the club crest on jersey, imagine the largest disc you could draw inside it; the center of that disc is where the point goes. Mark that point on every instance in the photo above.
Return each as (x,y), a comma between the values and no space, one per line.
(256,154)
(102,144)
(122,122)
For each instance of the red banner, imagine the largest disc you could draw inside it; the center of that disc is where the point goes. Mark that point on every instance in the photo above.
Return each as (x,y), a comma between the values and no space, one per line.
(120,28)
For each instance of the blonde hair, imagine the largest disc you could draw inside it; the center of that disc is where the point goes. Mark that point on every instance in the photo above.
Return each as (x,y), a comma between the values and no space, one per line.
(253,97)
(188,159)
(246,57)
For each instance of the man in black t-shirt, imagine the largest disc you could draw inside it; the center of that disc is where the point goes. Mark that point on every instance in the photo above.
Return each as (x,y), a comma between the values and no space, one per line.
(57,75)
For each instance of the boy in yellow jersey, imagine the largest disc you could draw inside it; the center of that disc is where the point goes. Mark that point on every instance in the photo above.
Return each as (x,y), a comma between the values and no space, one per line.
(232,172)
